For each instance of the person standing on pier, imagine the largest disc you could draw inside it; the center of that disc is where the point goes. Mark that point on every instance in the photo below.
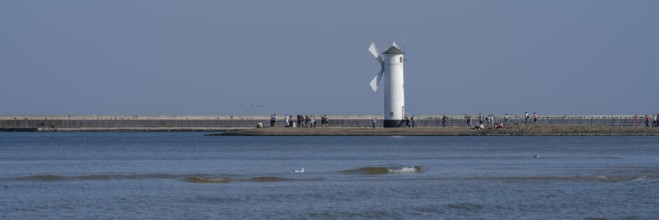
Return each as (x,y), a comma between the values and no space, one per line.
(526,117)
(300,121)
(373,122)
(443,120)
(413,122)
(505,120)
(273,120)
(491,121)
(324,120)
(468,120)
(636,120)
(494,118)
(535,117)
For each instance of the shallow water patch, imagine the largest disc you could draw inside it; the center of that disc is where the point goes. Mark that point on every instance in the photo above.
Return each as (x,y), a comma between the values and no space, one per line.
(96,177)
(465,206)
(42,178)
(196,179)
(267,179)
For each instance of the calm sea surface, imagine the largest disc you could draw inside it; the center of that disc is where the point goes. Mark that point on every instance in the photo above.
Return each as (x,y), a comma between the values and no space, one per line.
(189,176)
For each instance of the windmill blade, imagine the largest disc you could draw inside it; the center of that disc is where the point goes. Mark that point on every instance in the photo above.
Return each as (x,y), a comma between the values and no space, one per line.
(375,52)
(376,80)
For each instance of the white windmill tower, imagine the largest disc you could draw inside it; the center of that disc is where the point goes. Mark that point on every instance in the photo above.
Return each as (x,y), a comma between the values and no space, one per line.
(391,70)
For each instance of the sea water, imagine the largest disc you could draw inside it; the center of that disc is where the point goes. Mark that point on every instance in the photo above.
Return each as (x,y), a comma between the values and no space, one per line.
(192,176)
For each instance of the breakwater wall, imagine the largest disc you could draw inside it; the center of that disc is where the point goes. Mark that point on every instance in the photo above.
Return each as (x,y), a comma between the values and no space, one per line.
(221,122)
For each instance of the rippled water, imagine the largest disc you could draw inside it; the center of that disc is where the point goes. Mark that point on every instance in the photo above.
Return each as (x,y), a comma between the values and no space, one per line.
(187,175)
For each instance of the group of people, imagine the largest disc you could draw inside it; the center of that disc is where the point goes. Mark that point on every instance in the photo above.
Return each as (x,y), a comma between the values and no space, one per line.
(302,121)
(527,117)
(652,118)
(490,121)
(408,122)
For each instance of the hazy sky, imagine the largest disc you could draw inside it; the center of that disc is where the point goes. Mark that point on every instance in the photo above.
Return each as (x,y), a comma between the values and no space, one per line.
(263,57)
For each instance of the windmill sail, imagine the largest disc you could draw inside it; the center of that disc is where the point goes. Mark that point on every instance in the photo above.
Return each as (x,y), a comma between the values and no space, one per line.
(376,54)
(376,81)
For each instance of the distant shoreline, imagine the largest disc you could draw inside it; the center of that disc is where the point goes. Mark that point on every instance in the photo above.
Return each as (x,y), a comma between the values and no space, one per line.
(516,130)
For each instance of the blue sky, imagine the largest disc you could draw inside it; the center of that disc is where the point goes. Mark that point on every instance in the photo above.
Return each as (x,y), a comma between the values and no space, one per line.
(264,57)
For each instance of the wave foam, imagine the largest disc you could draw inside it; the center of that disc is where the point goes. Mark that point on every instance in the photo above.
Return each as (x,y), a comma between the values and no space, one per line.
(414,169)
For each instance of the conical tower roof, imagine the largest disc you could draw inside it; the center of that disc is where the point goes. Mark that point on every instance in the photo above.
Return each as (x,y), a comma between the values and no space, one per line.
(393,50)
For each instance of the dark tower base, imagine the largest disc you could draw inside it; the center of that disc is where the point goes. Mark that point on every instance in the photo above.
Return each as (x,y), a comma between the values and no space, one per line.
(394,123)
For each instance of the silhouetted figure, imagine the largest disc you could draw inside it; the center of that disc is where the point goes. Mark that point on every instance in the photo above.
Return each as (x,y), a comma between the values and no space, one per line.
(273,120)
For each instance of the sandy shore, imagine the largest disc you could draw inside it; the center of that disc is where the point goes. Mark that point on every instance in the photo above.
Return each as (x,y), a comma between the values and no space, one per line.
(517,130)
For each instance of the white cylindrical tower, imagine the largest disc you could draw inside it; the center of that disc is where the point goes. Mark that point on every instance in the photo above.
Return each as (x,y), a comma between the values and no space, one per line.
(394,87)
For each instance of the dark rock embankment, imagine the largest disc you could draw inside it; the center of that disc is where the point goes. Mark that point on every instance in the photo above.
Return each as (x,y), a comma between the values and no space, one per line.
(515,130)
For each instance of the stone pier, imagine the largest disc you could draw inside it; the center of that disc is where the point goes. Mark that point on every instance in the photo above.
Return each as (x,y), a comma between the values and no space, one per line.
(224,122)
